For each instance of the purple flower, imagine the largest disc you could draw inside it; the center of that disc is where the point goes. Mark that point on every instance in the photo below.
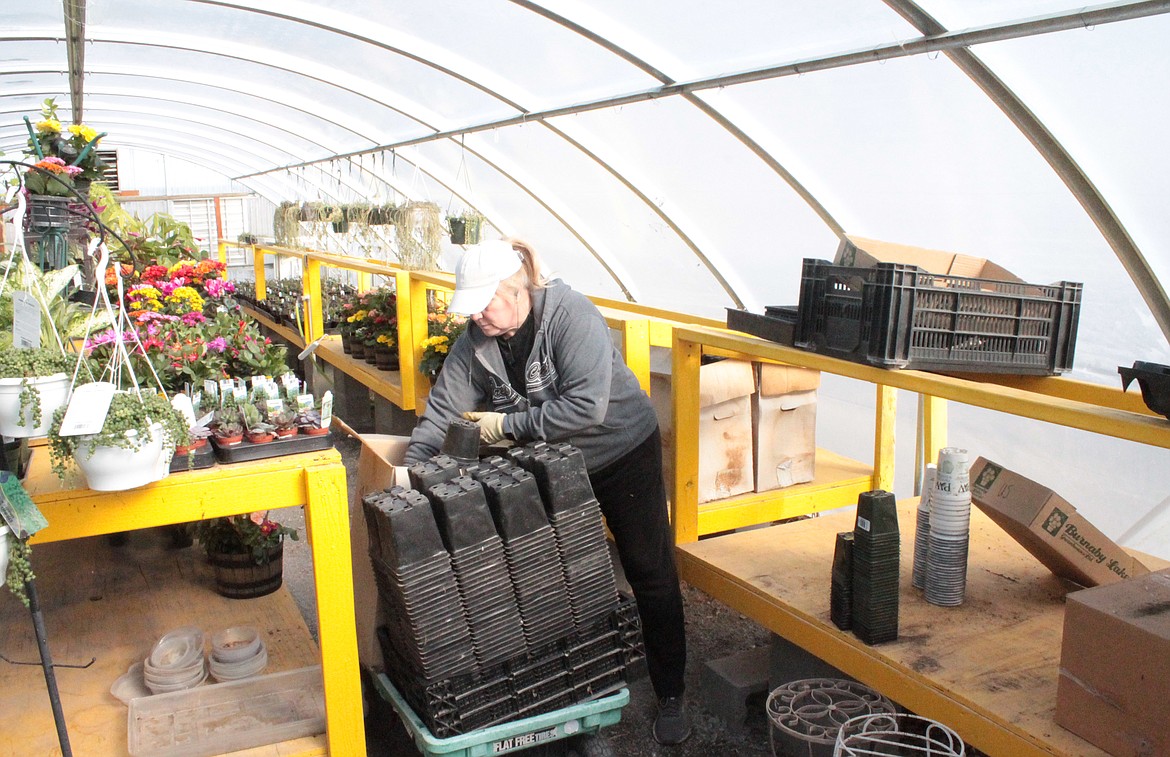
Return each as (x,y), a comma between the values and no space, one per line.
(219,344)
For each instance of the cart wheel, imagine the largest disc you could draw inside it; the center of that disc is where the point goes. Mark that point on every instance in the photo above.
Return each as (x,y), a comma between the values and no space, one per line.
(589,745)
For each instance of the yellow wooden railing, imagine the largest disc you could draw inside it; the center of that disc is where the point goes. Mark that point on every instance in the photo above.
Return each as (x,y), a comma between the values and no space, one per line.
(838,480)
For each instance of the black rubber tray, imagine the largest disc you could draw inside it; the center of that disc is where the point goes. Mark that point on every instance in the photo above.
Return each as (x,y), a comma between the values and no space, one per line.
(203,457)
(1154,380)
(777,324)
(245,450)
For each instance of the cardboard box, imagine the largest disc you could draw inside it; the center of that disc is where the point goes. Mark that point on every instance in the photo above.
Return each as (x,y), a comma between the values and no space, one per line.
(1049,527)
(726,459)
(784,425)
(866,253)
(379,467)
(1114,684)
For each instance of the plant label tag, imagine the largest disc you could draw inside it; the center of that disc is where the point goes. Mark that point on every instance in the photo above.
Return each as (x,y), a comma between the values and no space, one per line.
(17,508)
(203,421)
(183,404)
(211,389)
(326,409)
(310,349)
(87,410)
(275,406)
(226,389)
(26,321)
(240,394)
(304,402)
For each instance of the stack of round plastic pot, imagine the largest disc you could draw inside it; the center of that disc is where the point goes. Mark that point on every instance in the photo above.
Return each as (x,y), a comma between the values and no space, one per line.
(481,571)
(176,662)
(530,550)
(950,530)
(428,628)
(575,517)
(236,653)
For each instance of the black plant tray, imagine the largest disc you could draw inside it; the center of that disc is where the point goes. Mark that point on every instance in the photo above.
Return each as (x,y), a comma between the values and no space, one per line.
(204,457)
(246,450)
(777,324)
(1154,380)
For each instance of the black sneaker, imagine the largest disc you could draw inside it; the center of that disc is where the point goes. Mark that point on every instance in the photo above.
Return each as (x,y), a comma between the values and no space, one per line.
(673,724)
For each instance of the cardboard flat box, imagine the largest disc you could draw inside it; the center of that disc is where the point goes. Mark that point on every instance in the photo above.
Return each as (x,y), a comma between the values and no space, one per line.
(1049,527)
(784,425)
(1114,685)
(379,467)
(866,253)
(726,459)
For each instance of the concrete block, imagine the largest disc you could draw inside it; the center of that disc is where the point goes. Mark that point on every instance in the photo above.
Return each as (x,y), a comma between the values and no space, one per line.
(391,419)
(788,662)
(725,684)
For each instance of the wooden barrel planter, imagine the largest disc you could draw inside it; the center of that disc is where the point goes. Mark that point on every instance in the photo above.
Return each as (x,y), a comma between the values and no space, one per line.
(237,576)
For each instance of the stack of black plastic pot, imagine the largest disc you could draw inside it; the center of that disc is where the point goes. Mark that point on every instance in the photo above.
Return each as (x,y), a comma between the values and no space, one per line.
(481,571)
(876,557)
(530,575)
(575,517)
(430,634)
(530,550)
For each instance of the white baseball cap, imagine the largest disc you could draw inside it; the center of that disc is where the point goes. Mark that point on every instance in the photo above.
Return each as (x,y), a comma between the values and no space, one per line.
(479,272)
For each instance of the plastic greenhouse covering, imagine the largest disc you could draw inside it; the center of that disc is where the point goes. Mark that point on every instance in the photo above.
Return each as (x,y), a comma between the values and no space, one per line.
(682,155)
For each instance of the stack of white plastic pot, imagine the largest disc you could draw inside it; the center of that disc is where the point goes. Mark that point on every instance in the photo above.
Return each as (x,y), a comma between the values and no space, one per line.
(944,529)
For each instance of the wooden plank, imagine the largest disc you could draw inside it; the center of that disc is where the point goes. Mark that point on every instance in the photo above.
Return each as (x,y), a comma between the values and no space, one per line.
(1122,424)
(386,384)
(112,604)
(837,483)
(290,335)
(988,667)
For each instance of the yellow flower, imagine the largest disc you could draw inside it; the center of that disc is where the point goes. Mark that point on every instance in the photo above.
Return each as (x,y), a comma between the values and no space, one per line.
(385,339)
(441,348)
(85,132)
(186,297)
(49,126)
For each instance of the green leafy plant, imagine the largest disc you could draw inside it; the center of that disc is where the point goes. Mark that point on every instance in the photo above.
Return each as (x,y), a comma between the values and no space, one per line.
(284,419)
(226,422)
(20,570)
(65,319)
(128,412)
(252,534)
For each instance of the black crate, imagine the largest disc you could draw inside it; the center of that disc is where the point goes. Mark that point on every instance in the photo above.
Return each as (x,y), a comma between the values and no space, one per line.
(895,315)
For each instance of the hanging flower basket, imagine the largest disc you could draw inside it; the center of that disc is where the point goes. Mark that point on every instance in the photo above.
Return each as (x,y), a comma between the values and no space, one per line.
(237,576)
(20,415)
(113,469)
(47,213)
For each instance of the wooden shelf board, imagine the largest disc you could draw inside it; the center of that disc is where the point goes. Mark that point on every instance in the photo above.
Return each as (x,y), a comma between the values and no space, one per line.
(988,668)
(837,483)
(112,604)
(386,384)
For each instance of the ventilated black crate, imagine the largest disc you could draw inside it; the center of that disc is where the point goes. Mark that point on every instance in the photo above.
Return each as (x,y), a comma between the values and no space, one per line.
(899,316)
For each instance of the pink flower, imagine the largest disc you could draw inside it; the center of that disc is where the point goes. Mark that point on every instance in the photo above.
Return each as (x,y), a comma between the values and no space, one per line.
(219,344)
(258,518)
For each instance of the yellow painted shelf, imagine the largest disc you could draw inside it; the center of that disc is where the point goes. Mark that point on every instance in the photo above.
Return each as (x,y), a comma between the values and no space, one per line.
(987,668)
(111,604)
(314,480)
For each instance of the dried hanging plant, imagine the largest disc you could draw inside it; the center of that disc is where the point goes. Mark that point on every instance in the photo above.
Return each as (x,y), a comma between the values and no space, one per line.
(419,228)
(286,224)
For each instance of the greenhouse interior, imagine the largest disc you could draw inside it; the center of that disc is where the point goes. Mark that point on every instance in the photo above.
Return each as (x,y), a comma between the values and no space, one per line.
(912,495)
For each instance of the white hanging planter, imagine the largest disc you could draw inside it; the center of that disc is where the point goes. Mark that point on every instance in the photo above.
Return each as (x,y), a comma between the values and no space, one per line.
(18,423)
(3,553)
(112,469)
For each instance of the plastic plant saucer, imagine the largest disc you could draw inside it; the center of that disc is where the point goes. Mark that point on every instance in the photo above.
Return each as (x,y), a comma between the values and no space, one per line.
(1154,380)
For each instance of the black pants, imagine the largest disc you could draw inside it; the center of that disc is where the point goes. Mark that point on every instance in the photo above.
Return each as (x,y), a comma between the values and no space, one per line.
(632,496)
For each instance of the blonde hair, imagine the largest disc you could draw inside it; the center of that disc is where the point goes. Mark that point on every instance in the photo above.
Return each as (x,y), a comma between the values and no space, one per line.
(531,273)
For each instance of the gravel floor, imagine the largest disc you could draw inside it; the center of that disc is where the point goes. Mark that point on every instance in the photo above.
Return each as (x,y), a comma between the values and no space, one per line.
(713,631)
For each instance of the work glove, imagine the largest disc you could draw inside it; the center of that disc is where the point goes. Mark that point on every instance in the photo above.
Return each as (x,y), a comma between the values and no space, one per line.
(491,426)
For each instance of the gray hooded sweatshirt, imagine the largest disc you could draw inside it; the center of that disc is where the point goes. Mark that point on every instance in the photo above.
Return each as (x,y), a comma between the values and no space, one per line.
(579,389)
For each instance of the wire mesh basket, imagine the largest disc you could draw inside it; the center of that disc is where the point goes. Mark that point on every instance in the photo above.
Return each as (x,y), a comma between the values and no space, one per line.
(897,735)
(804,716)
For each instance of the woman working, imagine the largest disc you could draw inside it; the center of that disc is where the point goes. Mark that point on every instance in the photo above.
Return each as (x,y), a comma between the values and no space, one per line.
(537,363)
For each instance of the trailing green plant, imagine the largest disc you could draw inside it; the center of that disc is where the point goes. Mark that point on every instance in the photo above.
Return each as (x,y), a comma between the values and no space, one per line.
(252,534)
(128,412)
(32,363)
(286,224)
(20,570)
(419,231)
